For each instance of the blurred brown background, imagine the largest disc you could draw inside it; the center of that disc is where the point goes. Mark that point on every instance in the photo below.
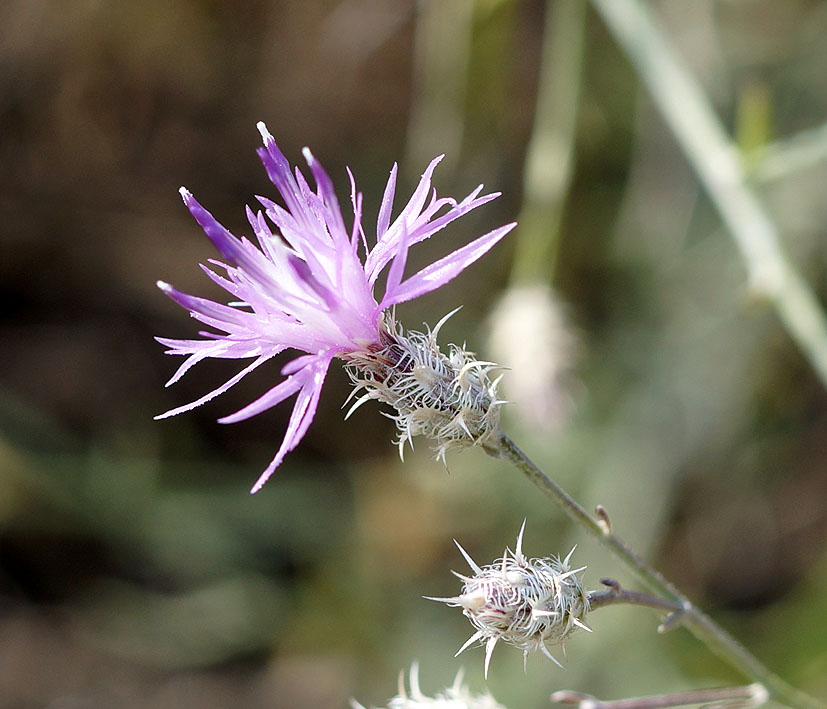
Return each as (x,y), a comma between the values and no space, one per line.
(135,569)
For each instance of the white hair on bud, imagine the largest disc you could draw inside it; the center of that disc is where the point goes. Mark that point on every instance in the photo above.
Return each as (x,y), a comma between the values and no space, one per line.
(528,603)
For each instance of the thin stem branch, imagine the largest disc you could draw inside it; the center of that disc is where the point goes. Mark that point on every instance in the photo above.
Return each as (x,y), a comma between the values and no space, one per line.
(750,695)
(696,621)
(615,594)
(777,160)
(717,162)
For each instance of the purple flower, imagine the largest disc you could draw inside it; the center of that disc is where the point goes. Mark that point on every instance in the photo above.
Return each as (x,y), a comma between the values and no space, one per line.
(304,285)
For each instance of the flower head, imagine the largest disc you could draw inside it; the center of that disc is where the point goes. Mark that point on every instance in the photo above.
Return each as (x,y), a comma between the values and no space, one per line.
(527,603)
(455,697)
(309,285)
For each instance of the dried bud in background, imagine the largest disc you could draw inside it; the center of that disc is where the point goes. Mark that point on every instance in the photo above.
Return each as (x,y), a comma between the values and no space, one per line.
(529,334)
(455,697)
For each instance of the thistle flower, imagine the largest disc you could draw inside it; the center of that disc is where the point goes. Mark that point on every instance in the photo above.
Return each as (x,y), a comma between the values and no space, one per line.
(305,287)
(527,603)
(455,697)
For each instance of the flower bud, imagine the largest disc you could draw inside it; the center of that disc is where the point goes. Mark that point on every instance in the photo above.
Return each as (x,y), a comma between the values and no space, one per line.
(449,399)
(527,603)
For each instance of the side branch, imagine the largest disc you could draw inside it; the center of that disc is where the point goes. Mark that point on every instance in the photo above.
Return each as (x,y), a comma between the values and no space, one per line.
(752,695)
(698,623)
(615,595)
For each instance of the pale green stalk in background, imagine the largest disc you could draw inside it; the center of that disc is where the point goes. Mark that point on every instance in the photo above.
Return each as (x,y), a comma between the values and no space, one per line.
(550,156)
(718,164)
(442,45)
(528,328)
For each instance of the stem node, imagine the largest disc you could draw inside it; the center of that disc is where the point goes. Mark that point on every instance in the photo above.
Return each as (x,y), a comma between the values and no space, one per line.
(603,520)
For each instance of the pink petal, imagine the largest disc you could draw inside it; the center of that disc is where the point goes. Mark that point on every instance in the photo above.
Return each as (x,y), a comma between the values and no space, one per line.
(397,268)
(422,227)
(385,240)
(440,272)
(283,390)
(194,358)
(239,252)
(215,392)
(417,200)
(202,306)
(384,219)
(328,194)
(303,412)
(278,170)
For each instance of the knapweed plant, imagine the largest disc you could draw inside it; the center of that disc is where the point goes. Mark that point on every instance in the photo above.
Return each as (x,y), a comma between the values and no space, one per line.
(311,283)
(310,287)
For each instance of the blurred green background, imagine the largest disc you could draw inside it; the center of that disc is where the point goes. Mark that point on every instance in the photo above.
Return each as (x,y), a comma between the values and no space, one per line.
(135,568)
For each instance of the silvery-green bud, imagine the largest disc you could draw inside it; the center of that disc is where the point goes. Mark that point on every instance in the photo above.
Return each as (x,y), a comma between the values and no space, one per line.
(528,603)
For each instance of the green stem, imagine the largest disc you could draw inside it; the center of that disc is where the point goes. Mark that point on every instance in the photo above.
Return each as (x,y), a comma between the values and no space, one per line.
(789,155)
(717,162)
(549,161)
(696,621)
(442,49)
